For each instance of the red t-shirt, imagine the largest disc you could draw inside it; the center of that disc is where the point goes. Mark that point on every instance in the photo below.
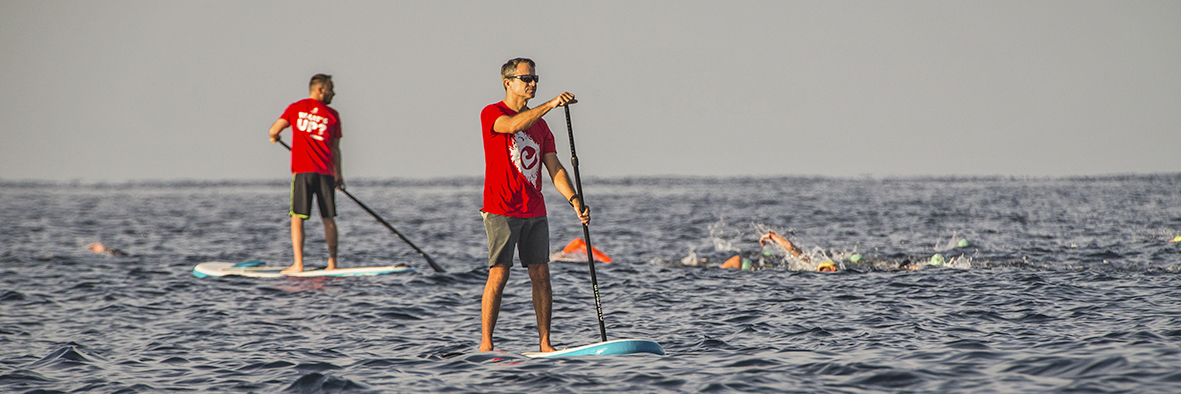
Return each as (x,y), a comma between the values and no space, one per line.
(314,127)
(512,165)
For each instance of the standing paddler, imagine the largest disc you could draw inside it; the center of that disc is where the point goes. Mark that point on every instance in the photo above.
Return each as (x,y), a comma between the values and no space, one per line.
(517,142)
(315,164)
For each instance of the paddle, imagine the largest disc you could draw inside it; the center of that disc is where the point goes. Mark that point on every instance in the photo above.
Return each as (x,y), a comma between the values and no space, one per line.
(429,260)
(590,257)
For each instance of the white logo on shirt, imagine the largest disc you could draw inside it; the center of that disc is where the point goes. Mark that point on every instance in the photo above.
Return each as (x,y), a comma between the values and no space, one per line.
(314,125)
(525,153)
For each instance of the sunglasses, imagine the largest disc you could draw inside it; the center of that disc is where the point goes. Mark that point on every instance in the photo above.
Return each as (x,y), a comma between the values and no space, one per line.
(527,78)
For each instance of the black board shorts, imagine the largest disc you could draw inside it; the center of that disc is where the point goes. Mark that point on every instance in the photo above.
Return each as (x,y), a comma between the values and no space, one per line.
(304,185)
(530,236)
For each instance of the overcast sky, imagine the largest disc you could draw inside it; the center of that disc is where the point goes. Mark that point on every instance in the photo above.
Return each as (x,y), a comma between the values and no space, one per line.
(170,90)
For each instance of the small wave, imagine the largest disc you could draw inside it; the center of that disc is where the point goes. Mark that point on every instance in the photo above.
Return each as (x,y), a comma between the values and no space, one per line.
(968,344)
(709,344)
(1069,367)
(267,365)
(316,366)
(753,362)
(838,369)
(22,376)
(67,356)
(9,295)
(890,379)
(314,383)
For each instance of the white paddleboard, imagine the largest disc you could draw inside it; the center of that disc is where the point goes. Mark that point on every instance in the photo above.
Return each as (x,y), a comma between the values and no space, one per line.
(256,269)
(609,348)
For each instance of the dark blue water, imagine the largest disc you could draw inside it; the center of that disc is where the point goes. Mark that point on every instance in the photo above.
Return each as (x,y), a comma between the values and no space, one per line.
(1068,285)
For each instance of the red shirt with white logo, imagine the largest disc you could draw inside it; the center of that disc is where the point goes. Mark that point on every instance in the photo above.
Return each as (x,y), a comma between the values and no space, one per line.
(315,126)
(512,165)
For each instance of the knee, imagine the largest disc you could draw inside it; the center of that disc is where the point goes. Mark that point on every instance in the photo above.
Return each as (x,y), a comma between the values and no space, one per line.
(539,272)
(498,274)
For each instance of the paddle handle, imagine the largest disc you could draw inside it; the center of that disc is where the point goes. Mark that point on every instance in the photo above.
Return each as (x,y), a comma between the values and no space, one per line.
(387,225)
(590,257)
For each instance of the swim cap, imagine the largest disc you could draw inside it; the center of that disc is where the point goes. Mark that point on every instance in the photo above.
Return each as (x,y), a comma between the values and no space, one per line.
(855,257)
(963,243)
(1178,239)
(768,252)
(746,263)
(937,259)
(826,266)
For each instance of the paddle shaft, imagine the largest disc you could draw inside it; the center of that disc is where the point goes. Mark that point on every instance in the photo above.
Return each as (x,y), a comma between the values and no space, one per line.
(429,260)
(590,257)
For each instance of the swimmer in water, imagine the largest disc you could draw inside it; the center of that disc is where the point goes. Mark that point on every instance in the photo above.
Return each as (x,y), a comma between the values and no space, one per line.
(740,262)
(98,248)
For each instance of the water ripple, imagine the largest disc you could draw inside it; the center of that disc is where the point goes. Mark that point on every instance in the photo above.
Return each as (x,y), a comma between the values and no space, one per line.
(1067,286)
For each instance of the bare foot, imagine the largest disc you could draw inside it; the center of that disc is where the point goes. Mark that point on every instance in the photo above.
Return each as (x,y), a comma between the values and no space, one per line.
(331,264)
(485,347)
(547,349)
(294,269)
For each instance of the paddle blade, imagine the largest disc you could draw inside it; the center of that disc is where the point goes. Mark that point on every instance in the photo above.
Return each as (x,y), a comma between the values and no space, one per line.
(434,266)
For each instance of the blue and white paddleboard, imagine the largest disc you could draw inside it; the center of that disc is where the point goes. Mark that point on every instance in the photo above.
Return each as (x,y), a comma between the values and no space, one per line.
(609,348)
(258,269)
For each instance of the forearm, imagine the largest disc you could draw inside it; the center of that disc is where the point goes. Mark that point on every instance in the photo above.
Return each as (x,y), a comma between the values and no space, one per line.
(782,242)
(337,168)
(562,182)
(793,250)
(336,160)
(522,120)
(564,186)
(785,244)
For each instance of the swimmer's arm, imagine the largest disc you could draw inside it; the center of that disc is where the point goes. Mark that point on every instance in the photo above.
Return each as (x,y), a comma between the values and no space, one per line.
(785,244)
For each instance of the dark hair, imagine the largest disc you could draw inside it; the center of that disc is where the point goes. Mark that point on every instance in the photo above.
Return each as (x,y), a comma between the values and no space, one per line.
(319,79)
(509,69)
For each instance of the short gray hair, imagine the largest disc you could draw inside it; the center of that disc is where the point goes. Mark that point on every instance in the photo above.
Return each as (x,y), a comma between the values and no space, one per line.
(509,68)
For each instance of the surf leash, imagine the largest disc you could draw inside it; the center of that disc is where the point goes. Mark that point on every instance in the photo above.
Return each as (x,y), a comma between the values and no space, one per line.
(590,257)
(429,260)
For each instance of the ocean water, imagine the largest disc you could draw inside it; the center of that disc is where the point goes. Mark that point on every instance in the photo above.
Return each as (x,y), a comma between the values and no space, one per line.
(1066,285)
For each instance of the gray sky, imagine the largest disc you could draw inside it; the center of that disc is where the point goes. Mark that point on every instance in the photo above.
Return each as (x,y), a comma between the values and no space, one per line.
(162,90)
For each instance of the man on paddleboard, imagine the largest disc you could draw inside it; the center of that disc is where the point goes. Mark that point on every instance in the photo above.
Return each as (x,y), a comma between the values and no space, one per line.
(315,164)
(517,143)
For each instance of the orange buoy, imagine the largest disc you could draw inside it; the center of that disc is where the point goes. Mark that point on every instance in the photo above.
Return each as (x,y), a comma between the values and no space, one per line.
(579,246)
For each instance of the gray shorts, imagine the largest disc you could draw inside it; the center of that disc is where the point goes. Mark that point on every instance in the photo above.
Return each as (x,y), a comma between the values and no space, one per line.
(530,236)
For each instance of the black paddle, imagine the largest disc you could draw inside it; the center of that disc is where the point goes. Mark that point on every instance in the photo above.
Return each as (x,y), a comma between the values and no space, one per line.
(590,257)
(429,260)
